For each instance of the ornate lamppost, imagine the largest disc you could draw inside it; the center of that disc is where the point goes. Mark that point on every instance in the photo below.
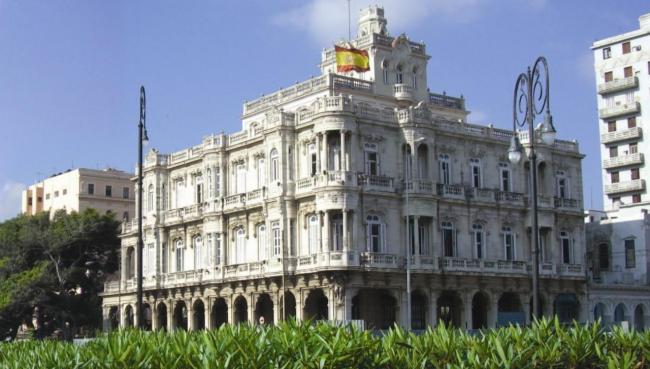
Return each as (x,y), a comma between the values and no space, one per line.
(143,139)
(532,98)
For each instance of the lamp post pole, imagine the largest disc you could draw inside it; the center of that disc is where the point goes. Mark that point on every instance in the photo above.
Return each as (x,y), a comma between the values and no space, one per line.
(142,137)
(531,98)
(407,176)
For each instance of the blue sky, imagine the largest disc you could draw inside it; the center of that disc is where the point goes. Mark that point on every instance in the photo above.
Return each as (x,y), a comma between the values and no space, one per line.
(70,71)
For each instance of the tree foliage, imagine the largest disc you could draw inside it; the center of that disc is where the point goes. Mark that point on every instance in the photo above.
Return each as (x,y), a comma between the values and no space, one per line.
(58,264)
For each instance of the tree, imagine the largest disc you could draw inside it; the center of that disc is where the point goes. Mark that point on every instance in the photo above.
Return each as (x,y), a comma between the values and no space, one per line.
(58,265)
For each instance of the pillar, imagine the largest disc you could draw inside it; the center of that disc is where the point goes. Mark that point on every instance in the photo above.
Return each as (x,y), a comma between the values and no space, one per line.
(325,245)
(106,318)
(527,305)
(170,315)
(190,314)
(402,308)
(468,309)
(231,311)
(277,311)
(416,234)
(207,304)
(491,313)
(299,306)
(324,156)
(494,310)
(349,295)
(154,316)
(251,308)
(319,165)
(345,230)
(433,310)
(331,303)
(344,166)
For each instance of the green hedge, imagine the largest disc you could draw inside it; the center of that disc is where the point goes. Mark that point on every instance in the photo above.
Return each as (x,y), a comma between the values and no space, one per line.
(290,345)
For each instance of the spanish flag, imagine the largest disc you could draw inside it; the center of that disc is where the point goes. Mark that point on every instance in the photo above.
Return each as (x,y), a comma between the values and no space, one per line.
(351,59)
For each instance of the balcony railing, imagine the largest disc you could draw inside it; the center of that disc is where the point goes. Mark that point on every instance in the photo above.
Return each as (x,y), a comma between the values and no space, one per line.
(627,134)
(512,197)
(445,101)
(337,178)
(419,186)
(482,194)
(561,202)
(373,259)
(618,85)
(623,160)
(376,182)
(403,92)
(627,186)
(618,110)
(480,265)
(449,190)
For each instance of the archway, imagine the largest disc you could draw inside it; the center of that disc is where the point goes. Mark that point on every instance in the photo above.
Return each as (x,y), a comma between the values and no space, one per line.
(619,313)
(599,313)
(219,313)
(316,305)
(241,310)
(161,316)
(510,310)
(639,321)
(128,316)
(113,318)
(264,308)
(290,305)
(450,307)
(147,316)
(180,315)
(376,307)
(418,310)
(480,308)
(566,307)
(198,315)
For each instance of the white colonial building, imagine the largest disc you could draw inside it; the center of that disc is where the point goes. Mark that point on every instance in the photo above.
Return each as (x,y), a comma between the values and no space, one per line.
(618,241)
(304,211)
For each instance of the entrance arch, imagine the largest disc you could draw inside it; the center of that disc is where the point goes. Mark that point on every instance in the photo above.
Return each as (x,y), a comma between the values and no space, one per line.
(599,313)
(480,309)
(639,321)
(161,316)
(377,307)
(289,304)
(620,313)
(128,316)
(198,315)
(219,314)
(264,308)
(241,310)
(316,305)
(511,310)
(114,318)
(418,310)
(566,307)
(180,316)
(147,316)
(450,308)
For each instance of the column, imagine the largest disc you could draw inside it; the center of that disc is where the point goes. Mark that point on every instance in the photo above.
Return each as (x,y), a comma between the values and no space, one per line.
(325,245)
(251,309)
(344,166)
(468,310)
(277,312)
(319,165)
(123,266)
(433,308)
(491,313)
(299,305)
(345,231)
(170,315)
(208,308)
(331,303)
(494,310)
(349,295)
(402,307)
(154,317)
(324,155)
(231,310)
(416,234)
(320,232)
(190,314)
(106,317)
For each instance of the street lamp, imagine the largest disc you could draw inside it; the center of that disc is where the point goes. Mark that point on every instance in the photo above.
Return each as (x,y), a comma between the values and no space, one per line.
(143,139)
(531,98)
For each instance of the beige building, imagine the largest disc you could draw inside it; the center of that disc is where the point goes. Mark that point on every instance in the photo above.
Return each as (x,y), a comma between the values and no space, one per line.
(79,189)
(304,211)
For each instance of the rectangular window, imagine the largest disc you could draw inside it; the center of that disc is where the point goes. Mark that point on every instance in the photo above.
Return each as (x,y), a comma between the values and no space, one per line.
(423,237)
(615,177)
(91,188)
(476,173)
(261,173)
(445,171)
(562,190)
(448,240)
(47,196)
(508,244)
(505,180)
(649,67)
(39,199)
(627,72)
(56,194)
(611,126)
(337,234)
(566,247)
(633,148)
(631,122)
(372,163)
(607,53)
(125,192)
(217,182)
(630,256)
(29,201)
(277,238)
(164,257)
(375,237)
(636,198)
(609,76)
(314,163)
(108,191)
(634,173)
(217,248)
(240,180)
(478,241)
(613,151)
(626,47)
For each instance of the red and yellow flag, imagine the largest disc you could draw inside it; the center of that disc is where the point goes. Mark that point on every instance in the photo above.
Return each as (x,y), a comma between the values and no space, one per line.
(351,59)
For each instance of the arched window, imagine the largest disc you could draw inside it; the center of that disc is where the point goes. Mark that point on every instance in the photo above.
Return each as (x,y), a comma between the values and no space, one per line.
(384,66)
(262,242)
(375,234)
(150,198)
(261,173)
(478,237)
(562,185)
(448,239)
(314,228)
(180,255)
(199,253)
(399,74)
(240,246)
(444,168)
(414,77)
(567,250)
(275,165)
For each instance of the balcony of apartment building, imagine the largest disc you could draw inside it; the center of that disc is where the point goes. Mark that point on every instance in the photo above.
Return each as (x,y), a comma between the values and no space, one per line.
(403,92)
(623,135)
(416,176)
(625,186)
(623,160)
(617,85)
(620,109)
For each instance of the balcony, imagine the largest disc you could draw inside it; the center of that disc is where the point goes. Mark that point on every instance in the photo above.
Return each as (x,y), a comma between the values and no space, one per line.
(449,102)
(452,264)
(451,191)
(623,161)
(628,134)
(563,203)
(482,194)
(627,186)
(337,178)
(419,186)
(376,183)
(304,185)
(234,201)
(512,198)
(618,110)
(403,92)
(377,260)
(618,85)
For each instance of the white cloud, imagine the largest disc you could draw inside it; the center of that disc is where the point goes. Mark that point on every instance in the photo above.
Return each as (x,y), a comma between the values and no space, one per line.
(327,20)
(478,116)
(10,199)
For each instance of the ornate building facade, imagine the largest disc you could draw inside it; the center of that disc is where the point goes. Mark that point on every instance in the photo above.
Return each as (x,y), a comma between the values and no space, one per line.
(306,211)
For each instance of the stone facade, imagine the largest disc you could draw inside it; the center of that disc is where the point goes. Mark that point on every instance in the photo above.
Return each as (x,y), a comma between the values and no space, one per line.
(304,212)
